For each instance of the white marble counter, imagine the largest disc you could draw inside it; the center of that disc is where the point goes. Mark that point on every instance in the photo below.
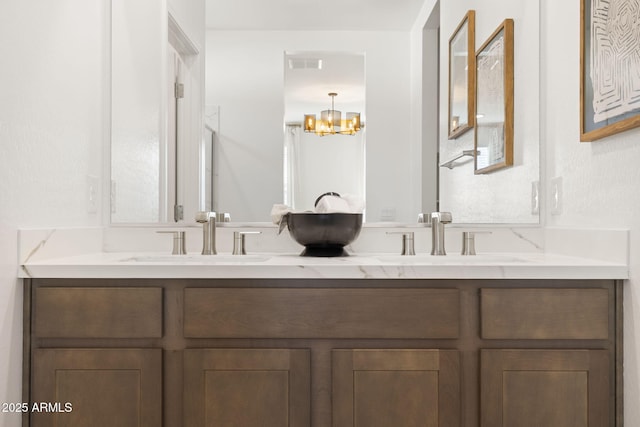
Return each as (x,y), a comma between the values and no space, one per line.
(506,253)
(361,266)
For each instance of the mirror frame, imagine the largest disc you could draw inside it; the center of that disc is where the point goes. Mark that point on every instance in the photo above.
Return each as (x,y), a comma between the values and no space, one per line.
(504,36)
(468,23)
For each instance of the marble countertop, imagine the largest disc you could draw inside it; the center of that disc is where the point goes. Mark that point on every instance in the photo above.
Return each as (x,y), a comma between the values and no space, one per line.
(358,266)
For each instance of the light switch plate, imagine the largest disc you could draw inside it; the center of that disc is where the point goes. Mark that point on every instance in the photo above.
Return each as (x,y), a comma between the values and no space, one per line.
(556,196)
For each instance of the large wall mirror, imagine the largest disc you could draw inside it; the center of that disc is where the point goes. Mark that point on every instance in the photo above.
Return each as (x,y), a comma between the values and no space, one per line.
(251,96)
(323,155)
(236,159)
(507,195)
(156,120)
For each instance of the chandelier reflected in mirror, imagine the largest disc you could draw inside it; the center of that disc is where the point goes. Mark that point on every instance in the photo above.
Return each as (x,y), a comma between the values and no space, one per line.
(331,121)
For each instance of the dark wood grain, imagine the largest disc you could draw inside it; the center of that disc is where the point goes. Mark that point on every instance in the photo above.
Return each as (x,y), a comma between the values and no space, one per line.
(381,388)
(545,313)
(247,387)
(321,313)
(551,388)
(98,312)
(391,331)
(105,387)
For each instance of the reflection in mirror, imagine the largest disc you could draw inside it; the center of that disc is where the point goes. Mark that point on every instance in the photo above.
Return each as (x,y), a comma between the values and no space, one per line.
(155,123)
(314,163)
(494,124)
(462,76)
(137,142)
(406,105)
(209,157)
(245,82)
(505,196)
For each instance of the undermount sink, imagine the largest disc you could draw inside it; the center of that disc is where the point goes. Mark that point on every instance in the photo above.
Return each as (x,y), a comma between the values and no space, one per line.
(198,259)
(426,259)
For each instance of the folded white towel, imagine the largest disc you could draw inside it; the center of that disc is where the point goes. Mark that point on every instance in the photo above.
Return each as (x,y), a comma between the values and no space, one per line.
(327,204)
(356,204)
(278,211)
(332,204)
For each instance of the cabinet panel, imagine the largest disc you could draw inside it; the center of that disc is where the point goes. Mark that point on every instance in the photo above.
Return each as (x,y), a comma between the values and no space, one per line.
(406,388)
(551,388)
(247,387)
(321,313)
(104,387)
(545,313)
(74,312)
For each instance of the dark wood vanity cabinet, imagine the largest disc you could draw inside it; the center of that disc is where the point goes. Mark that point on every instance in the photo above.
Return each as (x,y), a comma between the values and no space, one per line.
(395,387)
(97,387)
(247,387)
(357,353)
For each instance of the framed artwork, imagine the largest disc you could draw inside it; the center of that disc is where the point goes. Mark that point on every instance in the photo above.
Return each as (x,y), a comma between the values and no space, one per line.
(609,68)
(462,76)
(493,139)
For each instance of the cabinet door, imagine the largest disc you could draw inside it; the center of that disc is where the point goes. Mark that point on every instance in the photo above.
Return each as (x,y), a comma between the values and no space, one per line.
(405,388)
(97,387)
(247,388)
(551,388)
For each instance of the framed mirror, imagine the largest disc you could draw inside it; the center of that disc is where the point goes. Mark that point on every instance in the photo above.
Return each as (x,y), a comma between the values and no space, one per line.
(462,76)
(493,139)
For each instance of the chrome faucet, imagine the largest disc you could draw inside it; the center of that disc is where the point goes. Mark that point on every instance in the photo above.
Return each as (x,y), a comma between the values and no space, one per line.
(208,221)
(438,220)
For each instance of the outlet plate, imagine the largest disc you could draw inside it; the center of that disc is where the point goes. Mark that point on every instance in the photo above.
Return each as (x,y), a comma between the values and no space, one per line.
(388,214)
(556,196)
(93,184)
(535,197)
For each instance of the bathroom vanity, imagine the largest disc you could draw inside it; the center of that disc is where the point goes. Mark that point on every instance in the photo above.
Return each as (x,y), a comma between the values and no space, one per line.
(361,341)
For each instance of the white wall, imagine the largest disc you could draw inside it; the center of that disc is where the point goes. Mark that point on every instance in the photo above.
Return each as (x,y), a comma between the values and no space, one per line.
(600,179)
(244,76)
(51,130)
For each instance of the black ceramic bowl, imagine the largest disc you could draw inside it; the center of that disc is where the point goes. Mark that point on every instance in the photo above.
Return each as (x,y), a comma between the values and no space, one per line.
(324,234)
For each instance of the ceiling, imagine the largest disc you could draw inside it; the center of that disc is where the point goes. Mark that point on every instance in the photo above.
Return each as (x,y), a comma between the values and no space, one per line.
(299,15)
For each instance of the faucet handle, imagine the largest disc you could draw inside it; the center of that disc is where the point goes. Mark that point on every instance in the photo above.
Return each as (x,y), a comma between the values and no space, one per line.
(407,242)
(179,242)
(468,241)
(238,241)
(203,216)
(443,217)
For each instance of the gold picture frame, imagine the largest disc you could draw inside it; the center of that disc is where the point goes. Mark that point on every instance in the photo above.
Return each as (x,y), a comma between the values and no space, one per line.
(462,76)
(493,136)
(609,99)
